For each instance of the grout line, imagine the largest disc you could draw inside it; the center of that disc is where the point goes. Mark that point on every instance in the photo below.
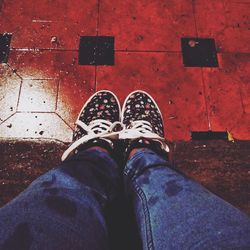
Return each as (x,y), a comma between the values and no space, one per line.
(230,53)
(15,71)
(195,21)
(241,100)
(4,120)
(19,95)
(205,99)
(98,17)
(150,51)
(63,120)
(42,49)
(57,94)
(240,2)
(38,79)
(225,6)
(119,51)
(42,21)
(35,112)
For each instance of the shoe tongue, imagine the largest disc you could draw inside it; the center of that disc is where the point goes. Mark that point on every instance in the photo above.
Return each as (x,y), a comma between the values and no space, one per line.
(118,127)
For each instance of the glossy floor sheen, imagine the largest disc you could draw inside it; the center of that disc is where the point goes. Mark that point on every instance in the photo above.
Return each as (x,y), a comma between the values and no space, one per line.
(42,87)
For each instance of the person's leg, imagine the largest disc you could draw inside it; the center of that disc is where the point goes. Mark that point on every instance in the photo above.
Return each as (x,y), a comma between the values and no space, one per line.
(172,211)
(65,208)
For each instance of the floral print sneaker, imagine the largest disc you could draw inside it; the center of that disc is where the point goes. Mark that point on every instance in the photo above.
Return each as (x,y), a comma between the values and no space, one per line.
(142,119)
(98,120)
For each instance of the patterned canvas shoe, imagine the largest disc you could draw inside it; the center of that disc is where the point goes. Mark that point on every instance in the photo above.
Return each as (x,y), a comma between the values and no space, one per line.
(97,121)
(143,120)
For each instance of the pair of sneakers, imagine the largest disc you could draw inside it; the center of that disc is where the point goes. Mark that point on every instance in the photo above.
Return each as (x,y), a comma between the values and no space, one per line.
(101,122)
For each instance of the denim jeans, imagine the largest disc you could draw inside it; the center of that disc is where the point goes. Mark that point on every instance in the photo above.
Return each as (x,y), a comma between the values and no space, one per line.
(66,208)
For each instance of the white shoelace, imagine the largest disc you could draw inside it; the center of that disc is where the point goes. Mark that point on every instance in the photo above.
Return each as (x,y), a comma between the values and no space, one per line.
(96,129)
(104,129)
(142,129)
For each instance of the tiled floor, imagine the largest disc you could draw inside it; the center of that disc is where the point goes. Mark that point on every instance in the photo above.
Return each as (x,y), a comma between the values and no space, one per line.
(42,86)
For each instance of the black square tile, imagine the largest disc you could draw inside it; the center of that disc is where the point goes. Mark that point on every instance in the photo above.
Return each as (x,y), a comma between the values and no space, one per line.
(199,52)
(4,47)
(209,135)
(96,50)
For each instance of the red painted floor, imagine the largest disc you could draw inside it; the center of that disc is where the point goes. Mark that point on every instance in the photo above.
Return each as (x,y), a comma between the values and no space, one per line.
(42,87)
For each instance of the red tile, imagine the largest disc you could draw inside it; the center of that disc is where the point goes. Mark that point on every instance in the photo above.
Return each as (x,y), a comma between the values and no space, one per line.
(76,83)
(243,74)
(74,90)
(10,26)
(238,1)
(9,91)
(38,95)
(147,25)
(40,35)
(56,10)
(36,64)
(241,129)
(33,25)
(238,33)
(177,89)
(36,125)
(226,91)
(245,92)
(10,17)
(225,21)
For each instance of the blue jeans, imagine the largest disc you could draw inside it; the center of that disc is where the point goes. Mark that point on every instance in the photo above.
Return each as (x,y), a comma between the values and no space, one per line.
(66,208)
